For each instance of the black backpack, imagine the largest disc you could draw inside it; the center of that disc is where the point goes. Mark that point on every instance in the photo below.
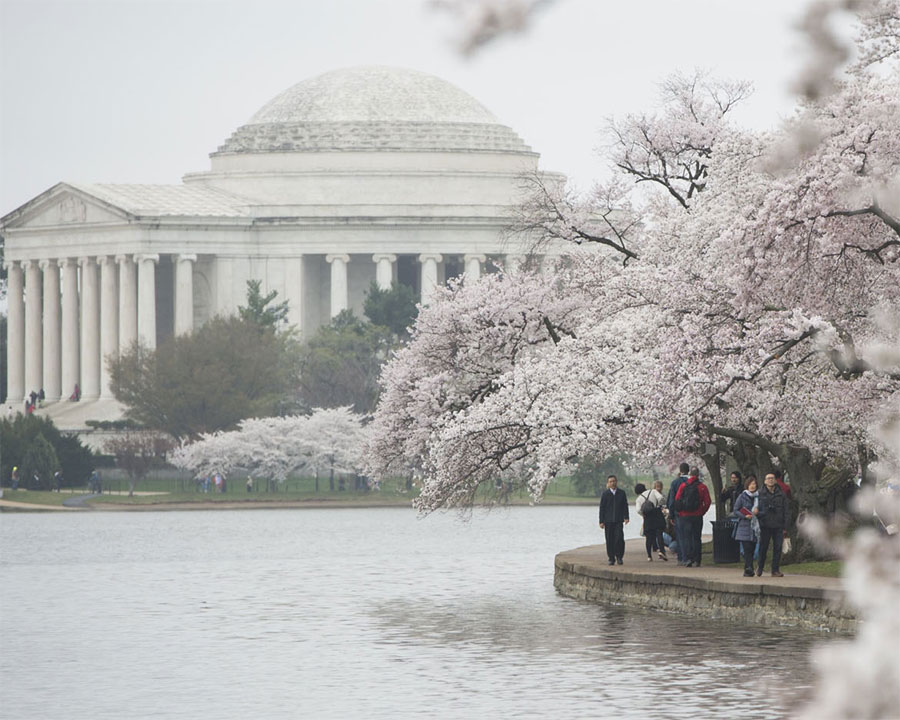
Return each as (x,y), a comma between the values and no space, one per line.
(648,505)
(690,497)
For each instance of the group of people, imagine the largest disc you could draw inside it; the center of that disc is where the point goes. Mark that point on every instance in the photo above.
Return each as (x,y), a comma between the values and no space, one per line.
(35,480)
(762,516)
(216,480)
(674,522)
(34,400)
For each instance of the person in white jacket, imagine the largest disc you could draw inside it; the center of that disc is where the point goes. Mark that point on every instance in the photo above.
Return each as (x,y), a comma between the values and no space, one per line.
(649,505)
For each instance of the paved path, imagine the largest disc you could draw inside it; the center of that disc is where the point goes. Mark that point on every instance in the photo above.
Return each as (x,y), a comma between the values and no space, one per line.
(78,501)
(593,558)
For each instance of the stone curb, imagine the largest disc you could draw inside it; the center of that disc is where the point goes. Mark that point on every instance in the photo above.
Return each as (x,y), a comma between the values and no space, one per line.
(802,601)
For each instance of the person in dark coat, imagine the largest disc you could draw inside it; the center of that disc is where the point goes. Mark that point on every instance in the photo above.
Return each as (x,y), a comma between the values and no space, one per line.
(733,491)
(773,514)
(684,471)
(613,518)
(747,530)
(654,519)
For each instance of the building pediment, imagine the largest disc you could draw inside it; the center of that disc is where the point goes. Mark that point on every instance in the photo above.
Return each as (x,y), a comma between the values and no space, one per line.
(64,205)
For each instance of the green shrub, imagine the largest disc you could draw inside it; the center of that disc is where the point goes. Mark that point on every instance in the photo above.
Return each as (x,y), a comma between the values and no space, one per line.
(39,464)
(16,436)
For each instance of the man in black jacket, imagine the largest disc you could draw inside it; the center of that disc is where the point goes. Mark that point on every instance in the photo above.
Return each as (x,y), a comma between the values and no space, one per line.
(613,517)
(773,512)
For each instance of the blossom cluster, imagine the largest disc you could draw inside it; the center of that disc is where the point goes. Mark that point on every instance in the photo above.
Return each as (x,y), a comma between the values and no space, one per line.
(277,447)
(738,299)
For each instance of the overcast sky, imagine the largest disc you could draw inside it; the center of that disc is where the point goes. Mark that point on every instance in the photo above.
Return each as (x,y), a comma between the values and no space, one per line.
(141,91)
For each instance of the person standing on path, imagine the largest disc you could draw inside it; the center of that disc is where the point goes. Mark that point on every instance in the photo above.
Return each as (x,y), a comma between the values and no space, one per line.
(613,518)
(649,505)
(773,514)
(733,491)
(683,471)
(747,530)
(691,502)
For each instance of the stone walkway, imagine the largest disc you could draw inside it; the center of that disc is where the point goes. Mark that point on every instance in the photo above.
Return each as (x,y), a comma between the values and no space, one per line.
(594,557)
(714,591)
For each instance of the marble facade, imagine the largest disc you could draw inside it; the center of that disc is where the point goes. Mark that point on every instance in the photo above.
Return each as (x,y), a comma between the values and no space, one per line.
(356,176)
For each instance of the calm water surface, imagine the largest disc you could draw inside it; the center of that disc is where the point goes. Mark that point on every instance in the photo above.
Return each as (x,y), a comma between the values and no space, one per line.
(352,613)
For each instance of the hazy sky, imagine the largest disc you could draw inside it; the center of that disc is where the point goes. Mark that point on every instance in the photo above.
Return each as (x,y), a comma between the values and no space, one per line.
(141,91)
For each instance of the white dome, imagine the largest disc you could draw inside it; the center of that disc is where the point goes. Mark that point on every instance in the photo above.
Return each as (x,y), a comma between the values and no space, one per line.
(373,109)
(373,94)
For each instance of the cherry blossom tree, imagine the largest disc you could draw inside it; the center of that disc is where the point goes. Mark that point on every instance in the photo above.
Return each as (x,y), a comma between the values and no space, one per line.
(737,313)
(276,448)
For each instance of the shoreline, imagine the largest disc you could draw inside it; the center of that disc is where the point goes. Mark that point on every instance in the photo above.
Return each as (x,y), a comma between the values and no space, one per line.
(295,504)
(806,601)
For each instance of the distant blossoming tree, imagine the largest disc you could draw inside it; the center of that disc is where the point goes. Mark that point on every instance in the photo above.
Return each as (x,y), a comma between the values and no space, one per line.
(278,447)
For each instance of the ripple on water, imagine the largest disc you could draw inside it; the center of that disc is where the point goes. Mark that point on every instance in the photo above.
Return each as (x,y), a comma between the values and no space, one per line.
(348,613)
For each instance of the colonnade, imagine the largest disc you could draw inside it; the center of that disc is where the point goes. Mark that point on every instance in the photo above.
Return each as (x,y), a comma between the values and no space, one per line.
(68,315)
(384,274)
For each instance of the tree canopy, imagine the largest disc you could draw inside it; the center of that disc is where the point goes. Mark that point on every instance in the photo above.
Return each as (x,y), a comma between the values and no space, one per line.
(394,309)
(228,369)
(260,309)
(341,362)
(726,295)
(18,433)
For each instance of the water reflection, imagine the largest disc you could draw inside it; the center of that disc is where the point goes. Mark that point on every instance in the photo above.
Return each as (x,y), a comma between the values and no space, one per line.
(352,613)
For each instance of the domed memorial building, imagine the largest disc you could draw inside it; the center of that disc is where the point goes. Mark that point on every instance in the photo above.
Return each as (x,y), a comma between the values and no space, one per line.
(357,175)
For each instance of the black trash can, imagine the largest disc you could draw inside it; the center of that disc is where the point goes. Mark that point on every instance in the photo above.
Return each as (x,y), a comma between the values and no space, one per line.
(725,548)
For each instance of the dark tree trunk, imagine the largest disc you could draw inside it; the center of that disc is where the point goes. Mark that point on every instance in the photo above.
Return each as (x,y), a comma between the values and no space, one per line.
(712,458)
(817,488)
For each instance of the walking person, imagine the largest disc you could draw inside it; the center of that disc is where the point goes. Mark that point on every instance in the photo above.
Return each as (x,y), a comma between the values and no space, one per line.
(649,505)
(691,503)
(747,530)
(772,512)
(613,518)
(684,471)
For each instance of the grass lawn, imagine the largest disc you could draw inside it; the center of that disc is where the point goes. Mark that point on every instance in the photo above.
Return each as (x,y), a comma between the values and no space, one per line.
(36,497)
(822,568)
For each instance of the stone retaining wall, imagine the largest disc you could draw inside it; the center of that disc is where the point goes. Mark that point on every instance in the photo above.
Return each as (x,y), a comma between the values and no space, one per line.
(768,604)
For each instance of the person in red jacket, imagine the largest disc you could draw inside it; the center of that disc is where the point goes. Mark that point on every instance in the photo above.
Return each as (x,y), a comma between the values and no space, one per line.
(691,503)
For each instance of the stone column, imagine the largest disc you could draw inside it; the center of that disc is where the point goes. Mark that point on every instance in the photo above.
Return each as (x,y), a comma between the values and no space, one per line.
(429,263)
(34,355)
(70,347)
(293,290)
(384,270)
(109,320)
(90,330)
(184,293)
(128,313)
(15,337)
(51,337)
(513,262)
(473,265)
(340,290)
(147,299)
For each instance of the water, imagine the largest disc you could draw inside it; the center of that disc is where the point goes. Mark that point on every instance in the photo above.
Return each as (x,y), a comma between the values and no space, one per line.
(352,613)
